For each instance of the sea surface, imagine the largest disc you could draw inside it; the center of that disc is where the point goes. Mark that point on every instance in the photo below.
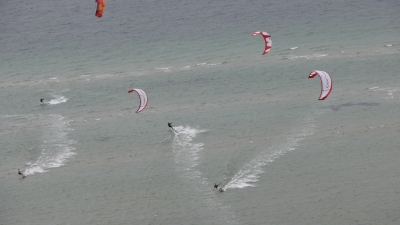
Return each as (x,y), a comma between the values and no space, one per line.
(251,123)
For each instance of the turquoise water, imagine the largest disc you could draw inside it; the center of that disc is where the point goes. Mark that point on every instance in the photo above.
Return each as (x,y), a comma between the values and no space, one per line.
(250,122)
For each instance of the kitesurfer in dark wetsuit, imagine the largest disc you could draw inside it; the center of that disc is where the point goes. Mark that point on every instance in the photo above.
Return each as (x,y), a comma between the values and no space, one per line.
(41,100)
(170,126)
(216,185)
(20,173)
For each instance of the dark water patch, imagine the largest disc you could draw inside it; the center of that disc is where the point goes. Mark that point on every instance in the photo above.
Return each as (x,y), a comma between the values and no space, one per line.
(349,104)
(103,138)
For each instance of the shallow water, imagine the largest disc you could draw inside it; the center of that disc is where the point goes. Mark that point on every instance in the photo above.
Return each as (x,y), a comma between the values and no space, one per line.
(249,121)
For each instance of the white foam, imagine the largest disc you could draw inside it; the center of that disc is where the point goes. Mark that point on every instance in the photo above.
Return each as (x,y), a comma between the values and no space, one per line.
(313,56)
(186,152)
(104,76)
(294,48)
(208,64)
(10,116)
(250,172)
(56,146)
(165,69)
(388,91)
(57,100)
(187,157)
(188,67)
(53,79)
(213,64)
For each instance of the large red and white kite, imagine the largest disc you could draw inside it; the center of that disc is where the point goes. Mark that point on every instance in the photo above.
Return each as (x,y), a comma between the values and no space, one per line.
(326,83)
(267,39)
(143,98)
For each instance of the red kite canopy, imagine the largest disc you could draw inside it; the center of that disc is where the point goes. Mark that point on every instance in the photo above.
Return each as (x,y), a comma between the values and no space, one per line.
(101,4)
(267,39)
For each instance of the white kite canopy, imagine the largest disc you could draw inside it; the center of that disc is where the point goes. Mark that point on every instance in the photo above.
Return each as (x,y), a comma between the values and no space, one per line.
(143,98)
(267,39)
(326,83)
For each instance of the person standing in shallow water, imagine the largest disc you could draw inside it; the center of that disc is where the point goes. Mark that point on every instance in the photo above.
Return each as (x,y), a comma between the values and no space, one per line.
(20,173)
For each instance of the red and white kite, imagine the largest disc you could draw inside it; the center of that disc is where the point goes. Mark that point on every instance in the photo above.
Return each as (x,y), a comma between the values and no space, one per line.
(143,98)
(267,39)
(326,83)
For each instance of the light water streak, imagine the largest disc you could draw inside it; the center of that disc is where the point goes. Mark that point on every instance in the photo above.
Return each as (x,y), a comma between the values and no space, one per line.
(251,171)
(187,157)
(56,146)
(389,92)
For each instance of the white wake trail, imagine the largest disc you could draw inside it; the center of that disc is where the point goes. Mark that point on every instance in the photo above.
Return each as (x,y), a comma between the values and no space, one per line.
(187,157)
(56,146)
(250,172)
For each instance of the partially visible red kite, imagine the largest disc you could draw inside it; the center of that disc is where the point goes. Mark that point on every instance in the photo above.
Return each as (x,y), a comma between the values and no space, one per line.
(101,4)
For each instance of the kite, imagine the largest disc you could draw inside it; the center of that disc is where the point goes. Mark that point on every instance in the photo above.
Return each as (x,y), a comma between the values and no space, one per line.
(326,83)
(101,4)
(143,98)
(267,39)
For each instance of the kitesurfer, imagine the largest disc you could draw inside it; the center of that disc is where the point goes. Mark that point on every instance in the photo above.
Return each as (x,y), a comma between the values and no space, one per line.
(216,185)
(20,173)
(170,126)
(41,100)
